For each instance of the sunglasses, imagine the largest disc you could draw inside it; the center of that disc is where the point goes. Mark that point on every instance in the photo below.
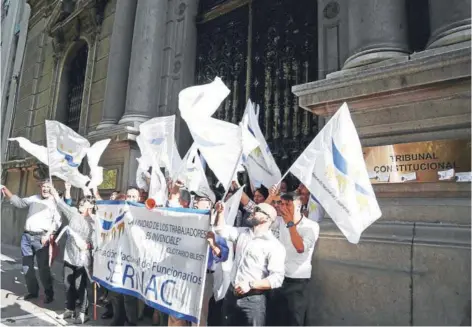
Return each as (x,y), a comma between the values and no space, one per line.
(257,209)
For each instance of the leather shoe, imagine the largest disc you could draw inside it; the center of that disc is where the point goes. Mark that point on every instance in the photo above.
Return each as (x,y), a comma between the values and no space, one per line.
(30,296)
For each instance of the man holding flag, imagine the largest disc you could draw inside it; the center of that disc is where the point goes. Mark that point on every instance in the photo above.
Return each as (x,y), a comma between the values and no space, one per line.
(42,221)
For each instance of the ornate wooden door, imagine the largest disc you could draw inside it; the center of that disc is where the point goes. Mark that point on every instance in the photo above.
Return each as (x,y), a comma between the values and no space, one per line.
(261,48)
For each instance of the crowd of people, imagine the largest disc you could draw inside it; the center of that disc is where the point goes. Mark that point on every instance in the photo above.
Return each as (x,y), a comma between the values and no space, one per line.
(273,240)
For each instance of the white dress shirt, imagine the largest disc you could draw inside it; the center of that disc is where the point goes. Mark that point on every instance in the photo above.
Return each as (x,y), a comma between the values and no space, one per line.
(42,213)
(257,256)
(297,265)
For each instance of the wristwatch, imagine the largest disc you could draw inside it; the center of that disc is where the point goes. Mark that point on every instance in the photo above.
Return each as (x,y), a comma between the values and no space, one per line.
(290,224)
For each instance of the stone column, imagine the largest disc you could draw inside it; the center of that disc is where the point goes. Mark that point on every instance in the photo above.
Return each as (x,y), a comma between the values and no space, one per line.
(449,22)
(142,96)
(377,31)
(118,63)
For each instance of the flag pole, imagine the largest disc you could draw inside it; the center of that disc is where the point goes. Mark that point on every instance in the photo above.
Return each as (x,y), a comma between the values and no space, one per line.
(95,301)
(232,176)
(49,160)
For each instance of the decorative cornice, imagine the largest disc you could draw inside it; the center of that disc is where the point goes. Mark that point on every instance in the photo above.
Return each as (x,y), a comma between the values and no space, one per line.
(86,18)
(325,96)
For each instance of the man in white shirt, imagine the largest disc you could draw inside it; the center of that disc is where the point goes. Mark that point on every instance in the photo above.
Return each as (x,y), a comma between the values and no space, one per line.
(258,266)
(298,235)
(42,221)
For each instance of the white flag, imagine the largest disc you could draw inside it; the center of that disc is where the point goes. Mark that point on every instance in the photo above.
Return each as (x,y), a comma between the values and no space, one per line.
(93,157)
(156,141)
(66,150)
(35,150)
(158,186)
(222,275)
(332,167)
(192,174)
(202,100)
(315,210)
(260,164)
(176,160)
(232,206)
(219,142)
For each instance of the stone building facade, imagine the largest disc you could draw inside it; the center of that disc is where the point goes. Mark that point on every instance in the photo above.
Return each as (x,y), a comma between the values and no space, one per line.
(105,66)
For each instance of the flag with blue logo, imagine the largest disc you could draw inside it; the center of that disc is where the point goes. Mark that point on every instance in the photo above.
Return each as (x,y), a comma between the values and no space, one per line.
(64,154)
(66,149)
(332,167)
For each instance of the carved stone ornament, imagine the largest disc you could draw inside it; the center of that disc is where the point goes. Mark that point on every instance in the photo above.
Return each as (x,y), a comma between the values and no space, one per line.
(331,10)
(70,19)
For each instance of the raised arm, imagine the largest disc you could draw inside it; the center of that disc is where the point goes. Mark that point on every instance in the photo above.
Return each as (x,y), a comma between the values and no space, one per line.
(229,233)
(68,211)
(14,199)
(96,194)
(288,215)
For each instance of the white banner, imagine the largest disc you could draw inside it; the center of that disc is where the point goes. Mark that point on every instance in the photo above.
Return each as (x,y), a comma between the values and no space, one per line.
(158,256)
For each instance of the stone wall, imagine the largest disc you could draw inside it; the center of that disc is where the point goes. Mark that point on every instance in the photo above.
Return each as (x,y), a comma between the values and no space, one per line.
(38,89)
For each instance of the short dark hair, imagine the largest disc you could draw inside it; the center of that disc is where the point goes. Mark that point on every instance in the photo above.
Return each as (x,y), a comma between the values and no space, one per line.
(263,190)
(185,195)
(290,196)
(133,188)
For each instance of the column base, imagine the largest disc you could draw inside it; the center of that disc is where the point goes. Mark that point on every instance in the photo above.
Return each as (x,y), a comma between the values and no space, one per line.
(371,56)
(133,120)
(451,35)
(105,125)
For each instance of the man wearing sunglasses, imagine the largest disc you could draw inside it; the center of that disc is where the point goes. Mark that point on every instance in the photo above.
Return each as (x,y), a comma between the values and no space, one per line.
(258,266)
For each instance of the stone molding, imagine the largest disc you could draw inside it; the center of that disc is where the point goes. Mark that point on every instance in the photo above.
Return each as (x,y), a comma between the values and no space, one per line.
(454,63)
(444,235)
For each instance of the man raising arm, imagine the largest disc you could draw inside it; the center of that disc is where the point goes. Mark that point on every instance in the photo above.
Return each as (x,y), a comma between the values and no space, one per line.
(42,221)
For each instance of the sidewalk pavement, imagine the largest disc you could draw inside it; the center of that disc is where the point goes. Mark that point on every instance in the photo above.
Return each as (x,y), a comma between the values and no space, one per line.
(17,312)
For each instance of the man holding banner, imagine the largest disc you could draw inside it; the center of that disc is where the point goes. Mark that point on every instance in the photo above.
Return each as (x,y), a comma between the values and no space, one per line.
(258,266)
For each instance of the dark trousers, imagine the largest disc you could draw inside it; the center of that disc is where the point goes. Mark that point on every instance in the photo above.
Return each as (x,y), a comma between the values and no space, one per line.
(31,247)
(76,282)
(288,304)
(214,312)
(249,310)
(131,310)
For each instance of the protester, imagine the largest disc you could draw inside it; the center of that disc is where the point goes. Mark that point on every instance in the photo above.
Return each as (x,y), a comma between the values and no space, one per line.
(114,195)
(310,208)
(133,194)
(283,187)
(130,302)
(258,266)
(260,196)
(298,235)
(77,254)
(42,221)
